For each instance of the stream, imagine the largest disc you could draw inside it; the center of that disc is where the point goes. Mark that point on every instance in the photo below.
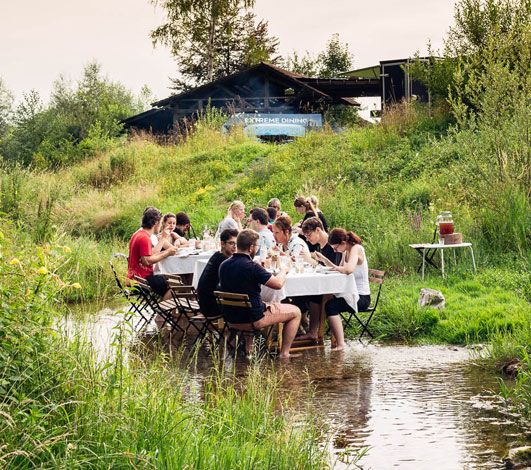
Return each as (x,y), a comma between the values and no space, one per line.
(407,407)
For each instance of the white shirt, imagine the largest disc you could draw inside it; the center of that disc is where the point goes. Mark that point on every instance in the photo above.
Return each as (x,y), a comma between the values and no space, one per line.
(361,275)
(296,246)
(265,242)
(227,223)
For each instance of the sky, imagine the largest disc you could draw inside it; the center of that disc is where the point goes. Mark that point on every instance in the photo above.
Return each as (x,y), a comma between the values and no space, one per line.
(39,40)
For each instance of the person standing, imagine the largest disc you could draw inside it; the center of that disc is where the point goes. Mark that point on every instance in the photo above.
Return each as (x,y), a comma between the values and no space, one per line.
(240,274)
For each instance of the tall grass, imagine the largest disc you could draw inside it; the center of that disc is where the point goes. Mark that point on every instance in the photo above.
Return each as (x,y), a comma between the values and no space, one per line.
(62,406)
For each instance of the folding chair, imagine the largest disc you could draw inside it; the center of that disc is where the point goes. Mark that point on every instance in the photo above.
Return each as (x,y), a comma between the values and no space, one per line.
(375,277)
(164,308)
(185,298)
(136,301)
(231,299)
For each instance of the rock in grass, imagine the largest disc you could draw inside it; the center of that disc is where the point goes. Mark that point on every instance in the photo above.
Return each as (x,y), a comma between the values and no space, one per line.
(519,457)
(511,368)
(431,298)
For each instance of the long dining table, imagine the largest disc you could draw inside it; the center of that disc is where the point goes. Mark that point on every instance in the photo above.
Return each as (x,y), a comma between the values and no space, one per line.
(183,263)
(310,282)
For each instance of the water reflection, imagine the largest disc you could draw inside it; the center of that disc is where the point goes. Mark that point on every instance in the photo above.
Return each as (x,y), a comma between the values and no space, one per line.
(413,407)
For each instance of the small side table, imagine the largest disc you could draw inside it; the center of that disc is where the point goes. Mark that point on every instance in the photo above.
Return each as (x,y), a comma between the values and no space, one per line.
(424,248)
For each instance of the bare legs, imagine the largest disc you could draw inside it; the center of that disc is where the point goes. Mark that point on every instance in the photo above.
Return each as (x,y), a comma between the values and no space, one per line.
(315,319)
(289,332)
(336,328)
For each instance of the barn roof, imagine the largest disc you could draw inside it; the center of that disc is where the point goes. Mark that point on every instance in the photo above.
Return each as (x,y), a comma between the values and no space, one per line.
(295,78)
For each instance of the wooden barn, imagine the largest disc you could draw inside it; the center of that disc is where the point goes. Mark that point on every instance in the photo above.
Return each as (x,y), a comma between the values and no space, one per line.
(262,88)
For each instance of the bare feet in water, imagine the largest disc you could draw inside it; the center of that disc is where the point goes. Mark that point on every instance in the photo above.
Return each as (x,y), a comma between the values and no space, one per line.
(284,357)
(338,347)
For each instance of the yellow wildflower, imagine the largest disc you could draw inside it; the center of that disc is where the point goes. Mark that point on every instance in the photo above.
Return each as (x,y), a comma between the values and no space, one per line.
(67,249)
(42,270)
(76,285)
(14,262)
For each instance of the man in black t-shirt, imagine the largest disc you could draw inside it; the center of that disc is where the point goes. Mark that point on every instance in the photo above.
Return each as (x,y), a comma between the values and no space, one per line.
(209,280)
(240,274)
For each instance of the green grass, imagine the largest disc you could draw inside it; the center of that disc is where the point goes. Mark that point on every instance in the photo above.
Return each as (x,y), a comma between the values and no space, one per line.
(62,407)
(478,308)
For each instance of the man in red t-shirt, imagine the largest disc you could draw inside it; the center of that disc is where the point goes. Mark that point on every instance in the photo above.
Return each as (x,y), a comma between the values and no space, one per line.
(142,255)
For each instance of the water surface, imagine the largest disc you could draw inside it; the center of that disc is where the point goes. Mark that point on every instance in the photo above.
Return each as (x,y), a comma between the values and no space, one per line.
(411,407)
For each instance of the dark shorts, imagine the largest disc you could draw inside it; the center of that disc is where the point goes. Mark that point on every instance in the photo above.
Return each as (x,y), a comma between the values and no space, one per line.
(339,305)
(208,305)
(158,283)
(304,301)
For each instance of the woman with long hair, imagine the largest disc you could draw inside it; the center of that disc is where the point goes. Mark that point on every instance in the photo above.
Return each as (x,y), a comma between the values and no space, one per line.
(353,260)
(305,207)
(233,219)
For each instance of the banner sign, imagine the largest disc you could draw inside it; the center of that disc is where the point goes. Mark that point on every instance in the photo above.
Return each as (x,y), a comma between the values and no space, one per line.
(257,124)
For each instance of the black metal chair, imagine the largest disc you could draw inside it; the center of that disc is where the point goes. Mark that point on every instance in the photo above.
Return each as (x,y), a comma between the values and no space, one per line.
(375,277)
(185,298)
(137,303)
(165,308)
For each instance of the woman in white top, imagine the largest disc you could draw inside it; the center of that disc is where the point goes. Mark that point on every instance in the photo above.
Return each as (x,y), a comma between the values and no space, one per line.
(292,244)
(352,261)
(234,218)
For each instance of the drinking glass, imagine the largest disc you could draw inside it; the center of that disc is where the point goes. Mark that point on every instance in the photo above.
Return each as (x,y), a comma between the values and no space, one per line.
(299,264)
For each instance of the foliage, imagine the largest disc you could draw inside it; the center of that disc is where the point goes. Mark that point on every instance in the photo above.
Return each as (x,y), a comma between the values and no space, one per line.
(77,123)
(335,59)
(6,104)
(213,39)
(331,62)
(478,309)
(62,406)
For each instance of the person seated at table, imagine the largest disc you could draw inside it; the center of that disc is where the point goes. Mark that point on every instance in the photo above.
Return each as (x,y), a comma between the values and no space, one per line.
(275,204)
(208,282)
(258,222)
(183,226)
(316,235)
(239,274)
(305,207)
(234,218)
(142,255)
(353,260)
(169,222)
(315,201)
(292,244)
(273,215)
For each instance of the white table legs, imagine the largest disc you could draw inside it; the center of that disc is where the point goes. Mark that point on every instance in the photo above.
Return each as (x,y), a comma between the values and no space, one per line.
(423,261)
(442,262)
(473,259)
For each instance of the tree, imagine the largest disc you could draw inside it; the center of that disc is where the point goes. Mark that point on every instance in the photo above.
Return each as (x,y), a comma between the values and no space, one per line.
(331,62)
(335,59)
(79,120)
(303,64)
(213,38)
(6,107)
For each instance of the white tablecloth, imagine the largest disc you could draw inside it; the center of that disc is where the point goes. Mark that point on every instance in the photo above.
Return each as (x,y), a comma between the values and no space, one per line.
(296,285)
(180,264)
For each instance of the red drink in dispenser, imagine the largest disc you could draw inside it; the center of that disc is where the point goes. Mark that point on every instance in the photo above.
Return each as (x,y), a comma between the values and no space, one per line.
(446,228)
(445,224)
